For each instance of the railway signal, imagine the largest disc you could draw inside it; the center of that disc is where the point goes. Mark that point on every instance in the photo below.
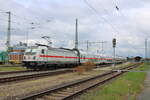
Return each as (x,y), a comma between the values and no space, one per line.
(114,46)
(114,42)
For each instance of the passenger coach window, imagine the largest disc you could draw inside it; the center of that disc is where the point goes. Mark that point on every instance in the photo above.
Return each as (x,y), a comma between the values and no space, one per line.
(42,51)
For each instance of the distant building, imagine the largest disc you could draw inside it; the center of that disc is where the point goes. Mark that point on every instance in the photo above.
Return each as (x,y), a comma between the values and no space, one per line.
(17,52)
(137,58)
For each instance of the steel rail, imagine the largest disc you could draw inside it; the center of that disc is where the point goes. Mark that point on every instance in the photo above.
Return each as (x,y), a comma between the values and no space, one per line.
(59,88)
(23,77)
(25,71)
(15,72)
(98,84)
(37,75)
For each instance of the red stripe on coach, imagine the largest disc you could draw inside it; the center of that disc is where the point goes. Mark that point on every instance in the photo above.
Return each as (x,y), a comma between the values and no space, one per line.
(49,56)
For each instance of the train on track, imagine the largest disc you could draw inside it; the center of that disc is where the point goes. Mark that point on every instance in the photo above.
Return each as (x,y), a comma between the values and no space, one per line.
(44,57)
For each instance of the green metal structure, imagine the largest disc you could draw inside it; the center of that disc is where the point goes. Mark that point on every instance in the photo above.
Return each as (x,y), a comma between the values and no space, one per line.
(3,57)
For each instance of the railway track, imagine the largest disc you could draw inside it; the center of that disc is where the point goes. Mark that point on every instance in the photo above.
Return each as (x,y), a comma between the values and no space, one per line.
(26,71)
(15,72)
(22,75)
(72,90)
(34,75)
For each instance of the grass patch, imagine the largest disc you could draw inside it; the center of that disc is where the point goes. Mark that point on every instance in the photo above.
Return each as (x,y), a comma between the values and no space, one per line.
(122,65)
(126,87)
(12,68)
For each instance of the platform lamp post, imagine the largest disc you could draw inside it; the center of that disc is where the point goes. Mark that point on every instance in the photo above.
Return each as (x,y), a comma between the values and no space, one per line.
(114,52)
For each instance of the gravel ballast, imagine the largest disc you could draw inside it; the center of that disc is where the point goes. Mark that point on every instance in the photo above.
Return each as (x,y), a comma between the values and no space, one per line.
(24,88)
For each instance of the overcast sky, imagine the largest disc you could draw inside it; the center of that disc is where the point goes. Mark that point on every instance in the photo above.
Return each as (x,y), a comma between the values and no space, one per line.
(99,20)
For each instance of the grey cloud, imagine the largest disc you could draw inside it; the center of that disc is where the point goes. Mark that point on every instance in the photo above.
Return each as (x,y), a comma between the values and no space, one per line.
(57,18)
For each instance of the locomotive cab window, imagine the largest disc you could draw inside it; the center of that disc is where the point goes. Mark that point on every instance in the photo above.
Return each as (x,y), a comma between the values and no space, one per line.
(42,51)
(34,50)
(28,50)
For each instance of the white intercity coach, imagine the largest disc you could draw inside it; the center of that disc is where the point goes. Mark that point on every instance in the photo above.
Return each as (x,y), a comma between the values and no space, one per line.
(44,57)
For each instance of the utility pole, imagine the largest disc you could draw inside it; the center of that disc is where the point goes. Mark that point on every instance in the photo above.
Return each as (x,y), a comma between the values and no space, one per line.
(76,36)
(9,31)
(102,47)
(114,52)
(76,40)
(87,46)
(146,49)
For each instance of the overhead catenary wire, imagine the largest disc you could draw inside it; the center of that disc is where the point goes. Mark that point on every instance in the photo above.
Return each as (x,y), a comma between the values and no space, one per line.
(118,9)
(30,21)
(105,20)
(98,14)
(123,15)
(17,16)
(21,17)
(18,23)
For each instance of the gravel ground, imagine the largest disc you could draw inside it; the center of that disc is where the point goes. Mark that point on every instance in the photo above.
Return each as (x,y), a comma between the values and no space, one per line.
(27,87)
(110,67)
(23,88)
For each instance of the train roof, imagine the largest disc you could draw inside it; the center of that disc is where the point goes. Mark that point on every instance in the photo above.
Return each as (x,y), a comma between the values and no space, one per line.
(51,48)
(62,49)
